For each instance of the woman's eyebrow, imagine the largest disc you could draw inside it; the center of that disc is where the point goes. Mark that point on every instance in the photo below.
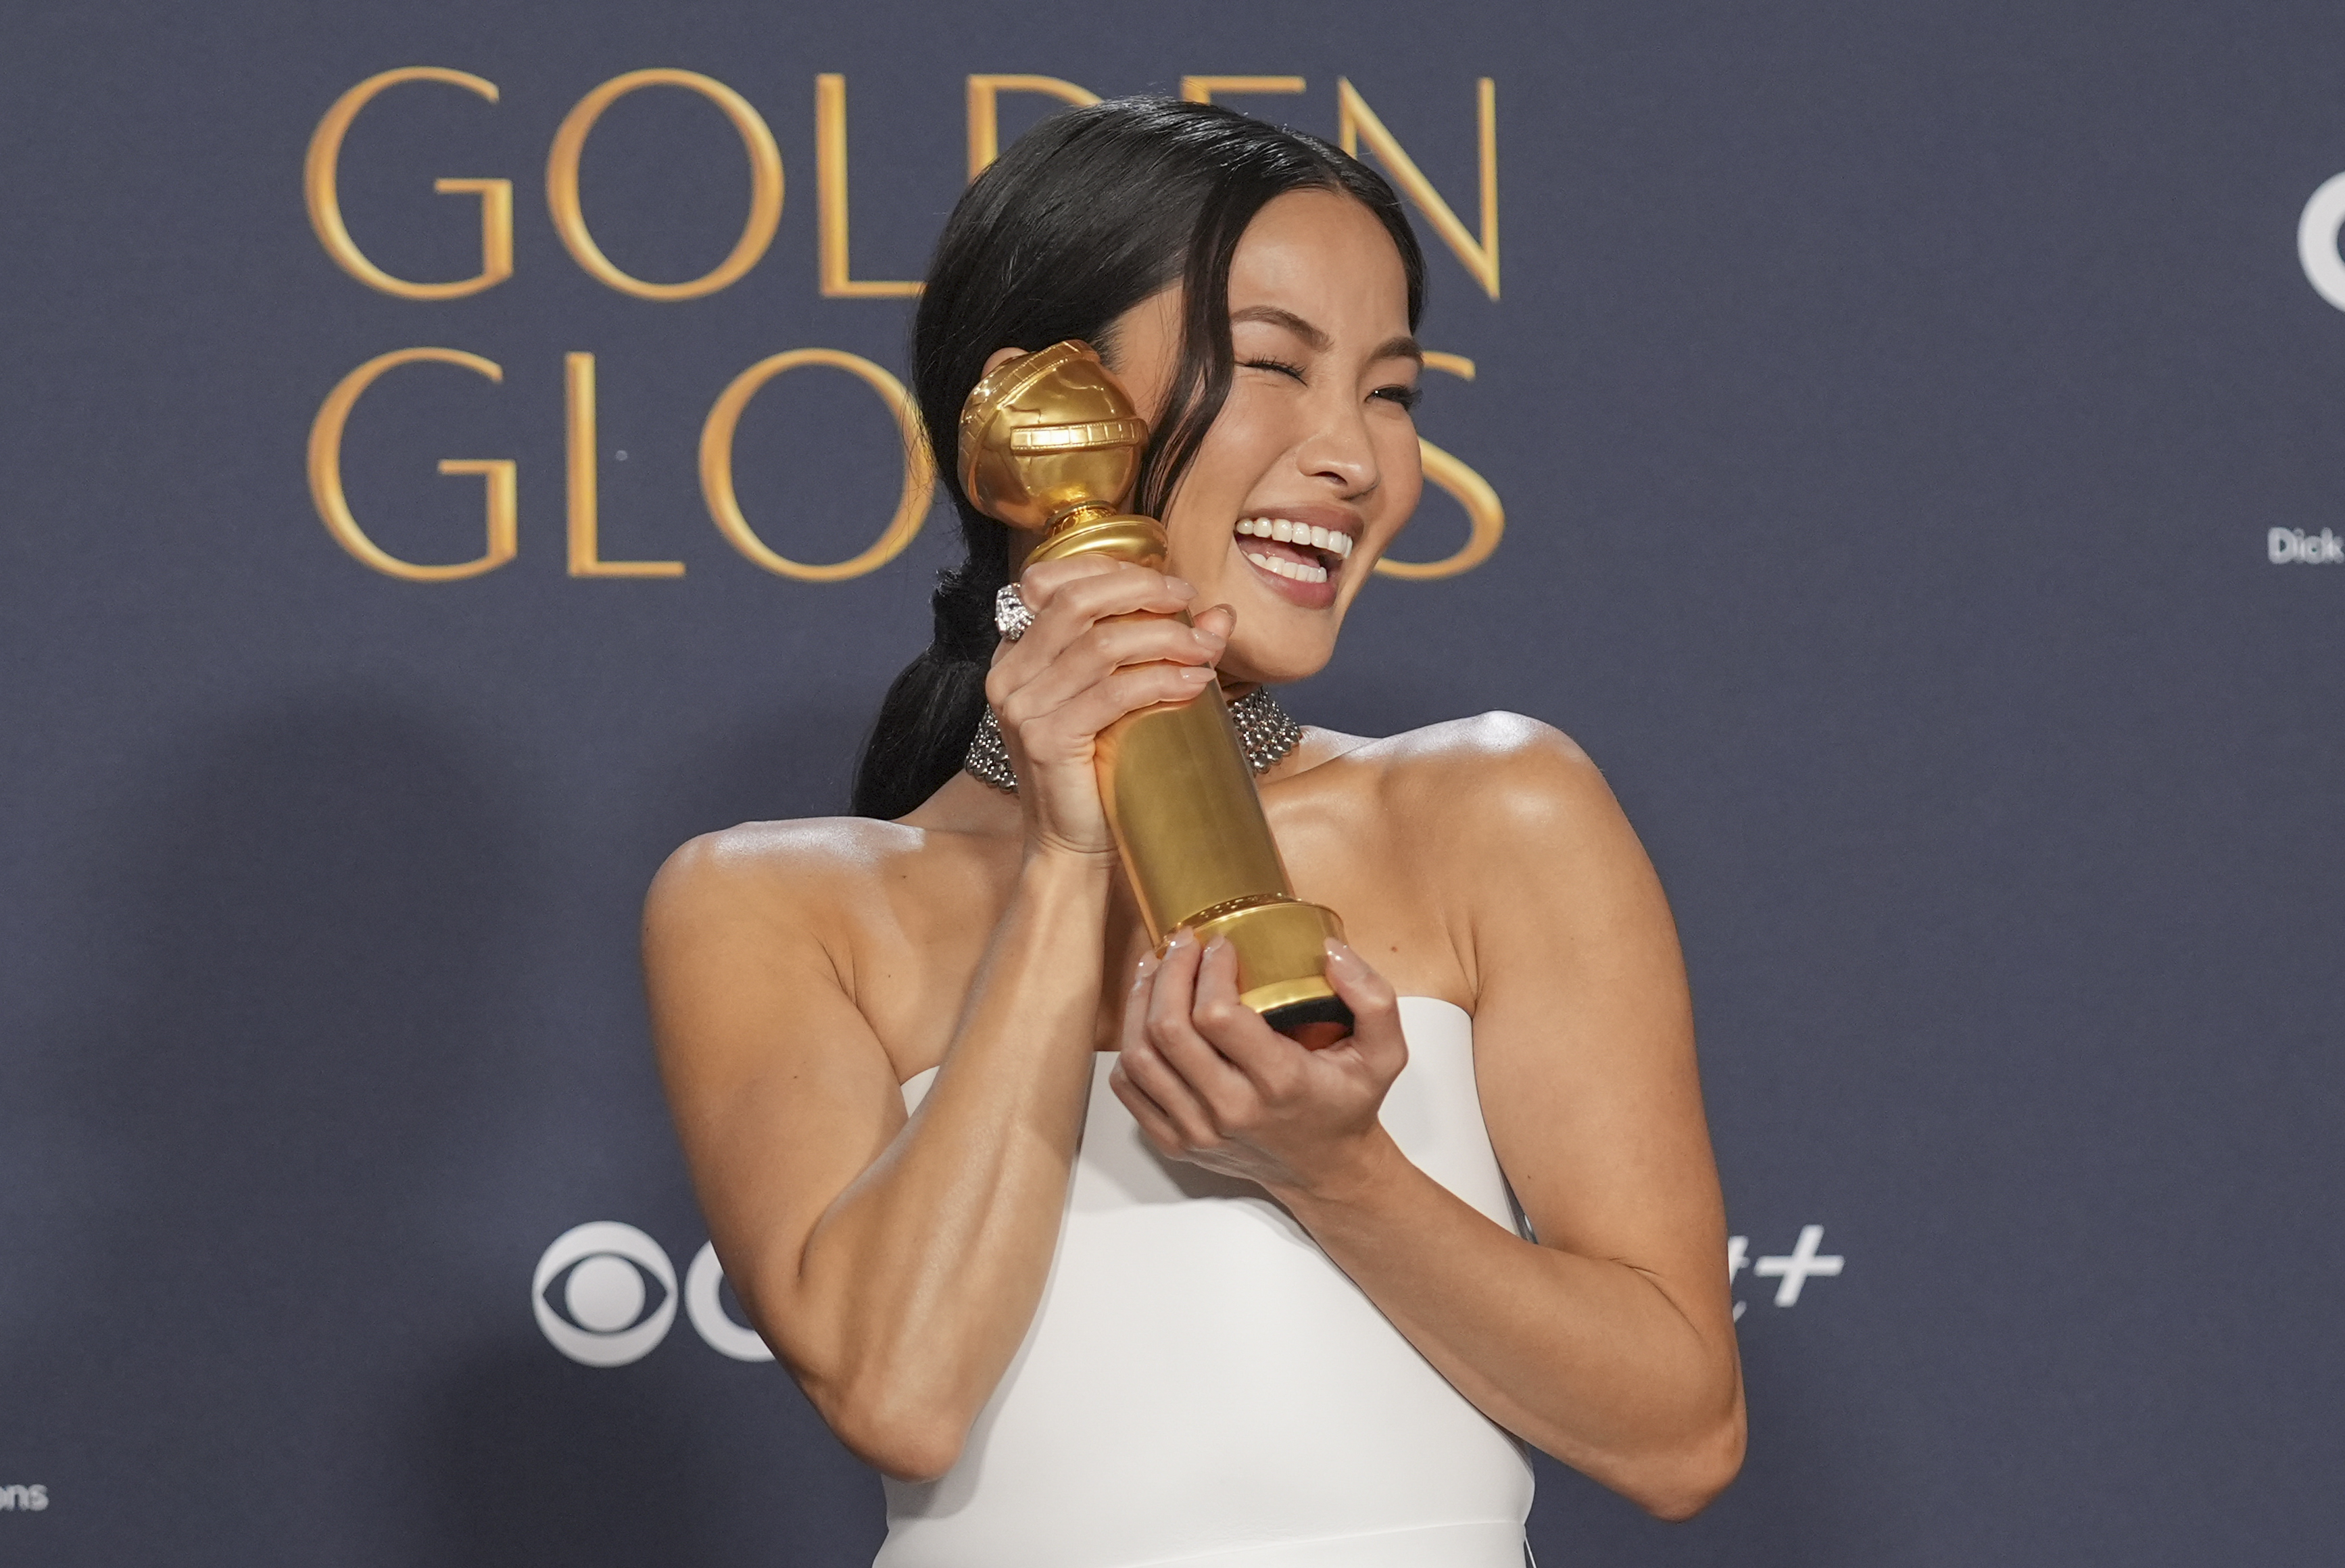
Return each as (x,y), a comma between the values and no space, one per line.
(1317,340)
(1402,347)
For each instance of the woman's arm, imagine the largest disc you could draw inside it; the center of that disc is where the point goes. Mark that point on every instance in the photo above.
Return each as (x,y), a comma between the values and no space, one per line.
(894,1263)
(1609,1343)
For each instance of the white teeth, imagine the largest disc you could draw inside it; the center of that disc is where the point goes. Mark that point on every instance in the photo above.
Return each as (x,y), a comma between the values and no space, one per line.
(1334,541)
(1293,570)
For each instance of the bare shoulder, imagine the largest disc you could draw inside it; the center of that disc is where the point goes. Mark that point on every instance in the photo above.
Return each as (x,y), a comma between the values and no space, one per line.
(751,939)
(849,926)
(1494,838)
(1497,772)
(779,871)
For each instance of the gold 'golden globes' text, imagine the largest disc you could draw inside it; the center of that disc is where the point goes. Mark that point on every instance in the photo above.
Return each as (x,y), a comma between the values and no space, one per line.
(1358,128)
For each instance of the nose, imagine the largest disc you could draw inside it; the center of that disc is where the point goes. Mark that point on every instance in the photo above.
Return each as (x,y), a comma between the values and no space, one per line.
(1338,449)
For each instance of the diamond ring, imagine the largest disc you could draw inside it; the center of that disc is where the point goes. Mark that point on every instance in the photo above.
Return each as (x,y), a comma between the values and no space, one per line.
(1011,616)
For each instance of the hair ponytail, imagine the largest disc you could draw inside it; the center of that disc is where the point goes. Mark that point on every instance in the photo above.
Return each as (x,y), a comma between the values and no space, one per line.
(1093,211)
(933,707)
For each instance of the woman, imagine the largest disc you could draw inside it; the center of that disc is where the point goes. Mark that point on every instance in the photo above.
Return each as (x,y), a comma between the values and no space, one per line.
(1095,1266)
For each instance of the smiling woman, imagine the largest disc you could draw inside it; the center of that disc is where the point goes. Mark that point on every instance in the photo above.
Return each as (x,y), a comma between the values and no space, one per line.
(1314,440)
(1096,1266)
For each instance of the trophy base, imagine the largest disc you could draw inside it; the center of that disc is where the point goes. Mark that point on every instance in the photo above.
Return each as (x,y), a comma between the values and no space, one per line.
(1314,1024)
(1282,949)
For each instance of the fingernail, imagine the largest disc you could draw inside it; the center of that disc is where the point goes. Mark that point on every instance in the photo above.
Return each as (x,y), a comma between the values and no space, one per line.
(1180,935)
(1200,674)
(1181,586)
(1216,944)
(1340,952)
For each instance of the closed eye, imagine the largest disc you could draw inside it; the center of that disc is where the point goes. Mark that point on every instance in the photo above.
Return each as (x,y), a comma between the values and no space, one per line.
(1280,365)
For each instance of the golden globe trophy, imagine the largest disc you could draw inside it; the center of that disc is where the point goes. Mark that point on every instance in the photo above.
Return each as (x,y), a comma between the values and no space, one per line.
(1050,444)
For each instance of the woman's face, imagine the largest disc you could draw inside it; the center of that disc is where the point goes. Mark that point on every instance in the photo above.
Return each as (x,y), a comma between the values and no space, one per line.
(1313,465)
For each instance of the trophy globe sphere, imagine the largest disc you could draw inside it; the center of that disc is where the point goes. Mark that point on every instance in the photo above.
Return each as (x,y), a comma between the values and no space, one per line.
(1049,435)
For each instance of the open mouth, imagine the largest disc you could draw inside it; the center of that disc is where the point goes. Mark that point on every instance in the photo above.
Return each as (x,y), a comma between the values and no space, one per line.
(1300,553)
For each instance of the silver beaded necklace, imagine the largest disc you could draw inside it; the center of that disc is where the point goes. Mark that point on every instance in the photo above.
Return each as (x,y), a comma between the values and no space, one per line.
(1264,728)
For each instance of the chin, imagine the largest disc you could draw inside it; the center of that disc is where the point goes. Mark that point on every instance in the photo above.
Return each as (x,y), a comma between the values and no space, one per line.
(1276,666)
(1277,642)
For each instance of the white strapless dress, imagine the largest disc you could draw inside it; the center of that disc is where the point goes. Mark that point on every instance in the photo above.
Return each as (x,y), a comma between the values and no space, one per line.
(1201,1385)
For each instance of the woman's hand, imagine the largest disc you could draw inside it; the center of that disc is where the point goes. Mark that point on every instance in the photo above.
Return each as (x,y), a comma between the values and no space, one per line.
(1209,1082)
(1107,640)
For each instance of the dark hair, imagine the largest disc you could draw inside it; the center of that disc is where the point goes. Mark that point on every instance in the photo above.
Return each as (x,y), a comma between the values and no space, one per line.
(1093,211)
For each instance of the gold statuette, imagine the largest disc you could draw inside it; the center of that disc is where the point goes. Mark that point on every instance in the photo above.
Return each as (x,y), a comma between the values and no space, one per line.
(1050,444)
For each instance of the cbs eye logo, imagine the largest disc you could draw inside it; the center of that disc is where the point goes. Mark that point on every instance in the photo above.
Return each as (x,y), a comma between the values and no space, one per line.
(605,1295)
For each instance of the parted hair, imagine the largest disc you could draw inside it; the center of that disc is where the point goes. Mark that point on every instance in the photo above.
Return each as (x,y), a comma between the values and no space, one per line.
(1094,210)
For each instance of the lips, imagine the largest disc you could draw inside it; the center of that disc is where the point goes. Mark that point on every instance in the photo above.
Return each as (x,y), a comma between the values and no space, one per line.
(1293,549)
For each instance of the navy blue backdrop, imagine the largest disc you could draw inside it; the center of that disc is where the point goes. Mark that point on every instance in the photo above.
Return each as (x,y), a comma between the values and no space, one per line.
(1916,429)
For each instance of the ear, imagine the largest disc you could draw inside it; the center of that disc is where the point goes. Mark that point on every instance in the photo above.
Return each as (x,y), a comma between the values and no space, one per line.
(1000,358)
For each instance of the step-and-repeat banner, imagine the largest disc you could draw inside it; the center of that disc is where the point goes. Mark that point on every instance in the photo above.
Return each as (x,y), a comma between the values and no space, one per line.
(453,454)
